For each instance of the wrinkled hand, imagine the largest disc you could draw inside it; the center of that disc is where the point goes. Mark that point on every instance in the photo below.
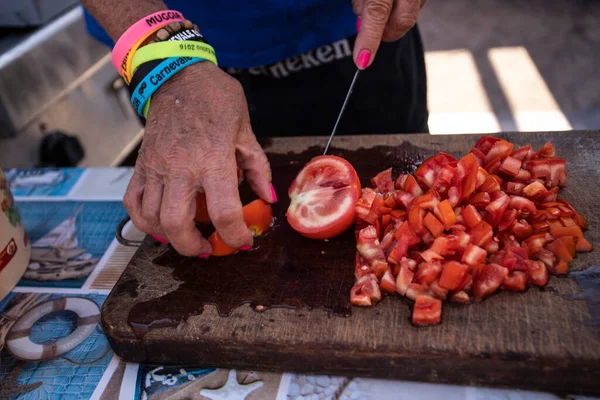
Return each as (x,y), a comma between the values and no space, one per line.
(382,20)
(197,133)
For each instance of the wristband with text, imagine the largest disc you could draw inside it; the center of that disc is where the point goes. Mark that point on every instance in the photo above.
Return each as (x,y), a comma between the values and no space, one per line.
(184,48)
(141,29)
(156,78)
(144,69)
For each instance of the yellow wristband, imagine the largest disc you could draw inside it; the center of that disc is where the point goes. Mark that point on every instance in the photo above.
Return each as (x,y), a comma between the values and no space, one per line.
(126,70)
(160,50)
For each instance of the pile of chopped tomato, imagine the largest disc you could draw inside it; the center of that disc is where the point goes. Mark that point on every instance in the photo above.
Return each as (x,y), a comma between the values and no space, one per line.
(460,230)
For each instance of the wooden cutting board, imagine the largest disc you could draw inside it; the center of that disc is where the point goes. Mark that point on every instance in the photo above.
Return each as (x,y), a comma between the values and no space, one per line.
(170,309)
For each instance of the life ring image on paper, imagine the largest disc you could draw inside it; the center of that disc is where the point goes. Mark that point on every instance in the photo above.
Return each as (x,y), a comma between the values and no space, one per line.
(18,340)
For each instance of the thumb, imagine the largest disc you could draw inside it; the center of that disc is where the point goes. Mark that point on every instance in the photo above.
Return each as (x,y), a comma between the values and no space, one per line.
(374,17)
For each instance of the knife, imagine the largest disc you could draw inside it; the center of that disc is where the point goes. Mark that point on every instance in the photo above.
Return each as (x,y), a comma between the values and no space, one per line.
(341,111)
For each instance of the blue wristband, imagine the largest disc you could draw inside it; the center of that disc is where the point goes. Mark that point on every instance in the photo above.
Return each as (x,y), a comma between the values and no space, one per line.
(157,77)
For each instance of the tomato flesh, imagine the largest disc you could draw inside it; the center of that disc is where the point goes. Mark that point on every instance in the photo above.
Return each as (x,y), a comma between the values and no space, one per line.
(323,197)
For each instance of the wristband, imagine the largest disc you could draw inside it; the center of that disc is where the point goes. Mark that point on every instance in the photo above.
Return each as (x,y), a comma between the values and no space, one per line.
(185,48)
(156,78)
(144,69)
(141,29)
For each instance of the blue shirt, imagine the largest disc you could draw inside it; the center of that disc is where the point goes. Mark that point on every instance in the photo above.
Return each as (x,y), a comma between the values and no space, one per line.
(249,33)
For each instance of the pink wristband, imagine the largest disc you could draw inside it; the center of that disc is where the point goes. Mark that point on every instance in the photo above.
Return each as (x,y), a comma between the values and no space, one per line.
(143,28)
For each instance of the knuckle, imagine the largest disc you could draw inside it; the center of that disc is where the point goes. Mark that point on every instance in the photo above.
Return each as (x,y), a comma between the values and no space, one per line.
(226,215)
(378,10)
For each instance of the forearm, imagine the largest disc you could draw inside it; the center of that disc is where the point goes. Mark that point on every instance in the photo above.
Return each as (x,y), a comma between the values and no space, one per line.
(116,16)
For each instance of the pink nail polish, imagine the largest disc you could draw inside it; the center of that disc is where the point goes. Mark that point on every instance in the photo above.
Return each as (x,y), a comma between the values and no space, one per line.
(245,248)
(363,59)
(160,239)
(358,21)
(204,256)
(273,194)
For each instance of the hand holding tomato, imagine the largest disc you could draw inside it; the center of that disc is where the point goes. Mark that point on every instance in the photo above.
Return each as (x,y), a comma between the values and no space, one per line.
(198,132)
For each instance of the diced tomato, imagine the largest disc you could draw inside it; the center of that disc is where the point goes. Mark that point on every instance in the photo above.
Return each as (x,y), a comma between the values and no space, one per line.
(581,221)
(560,231)
(515,188)
(389,201)
(553,170)
(406,235)
(490,185)
(522,230)
(516,281)
(445,213)
(560,250)
(482,175)
(427,311)
(454,196)
(473,255)
(437,290)
(428,272)
(583,245)
(523,176)
(415,289)
(411,186)
(548,258)
(378,267)
(534,188)
(489,280)
(427,172)
(562,268)
(536,242)
(368,245)
(416,216)
(364,203)
(485,143)
(569,243)
(511,166)
(507,221)
(428,201)
(365,291)
(382,182)
(491,246)
(466,174)
(460,297)
(471,216)
(452,274)
(538,273)
(398,215)
(404,198)
(433,225)
(522,204)
(546,151)
(479,200)
(427,238)
(549,195)
(385,221)
(388,283)
(501,150)
(481,234)
(497,208)
(521,152)
(430,255)
(478,155)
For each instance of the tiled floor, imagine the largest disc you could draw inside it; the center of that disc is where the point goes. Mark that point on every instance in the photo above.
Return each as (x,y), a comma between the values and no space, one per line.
(512,65)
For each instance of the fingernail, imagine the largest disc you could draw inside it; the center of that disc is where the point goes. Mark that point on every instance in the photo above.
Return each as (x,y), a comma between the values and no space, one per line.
(163,241)
(245,248)
(205,255)
(358,21)
(363,59)
(273,194)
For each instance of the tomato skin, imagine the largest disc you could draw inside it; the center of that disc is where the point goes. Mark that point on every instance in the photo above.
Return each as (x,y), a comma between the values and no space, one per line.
(258,215)
(452,274)
(325,177)
(489,280)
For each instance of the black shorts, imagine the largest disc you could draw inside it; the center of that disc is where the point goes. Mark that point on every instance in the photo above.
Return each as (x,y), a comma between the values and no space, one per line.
(303,95)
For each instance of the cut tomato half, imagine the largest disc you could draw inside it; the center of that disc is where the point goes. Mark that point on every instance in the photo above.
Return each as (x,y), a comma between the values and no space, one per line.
(323,198)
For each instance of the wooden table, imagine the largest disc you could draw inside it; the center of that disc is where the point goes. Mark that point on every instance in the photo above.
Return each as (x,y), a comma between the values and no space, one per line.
(541,339)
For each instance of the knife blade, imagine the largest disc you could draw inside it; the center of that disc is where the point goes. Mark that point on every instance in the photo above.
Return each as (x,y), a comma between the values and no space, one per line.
(342,111)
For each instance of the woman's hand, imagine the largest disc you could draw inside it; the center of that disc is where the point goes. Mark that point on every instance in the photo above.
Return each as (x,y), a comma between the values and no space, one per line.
(382,20)
(197,133)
